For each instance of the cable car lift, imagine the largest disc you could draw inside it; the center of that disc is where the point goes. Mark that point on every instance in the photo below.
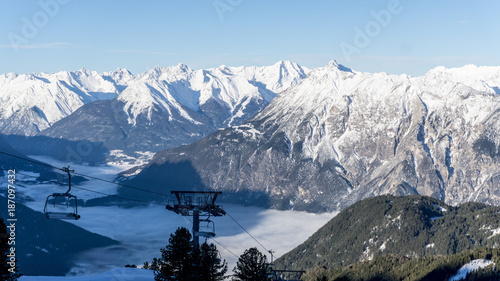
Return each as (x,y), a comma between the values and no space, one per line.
(62,205)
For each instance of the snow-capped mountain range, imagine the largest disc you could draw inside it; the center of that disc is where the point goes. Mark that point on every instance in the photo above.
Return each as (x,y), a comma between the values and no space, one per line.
(33,102)
(161,108)
(326,141)
(340,136)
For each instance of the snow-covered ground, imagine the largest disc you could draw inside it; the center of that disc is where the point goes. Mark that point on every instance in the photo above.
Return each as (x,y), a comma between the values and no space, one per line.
(143,231)
(469,267)
(119,274)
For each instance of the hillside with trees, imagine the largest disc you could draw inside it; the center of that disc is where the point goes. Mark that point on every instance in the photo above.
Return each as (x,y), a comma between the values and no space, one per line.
(393,267)
(402,227)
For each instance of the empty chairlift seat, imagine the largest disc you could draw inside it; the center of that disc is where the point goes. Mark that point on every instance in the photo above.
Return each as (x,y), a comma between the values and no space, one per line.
(62,205)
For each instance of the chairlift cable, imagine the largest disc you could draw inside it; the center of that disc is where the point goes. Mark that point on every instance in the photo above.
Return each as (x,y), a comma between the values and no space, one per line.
(125,185)
(83,175)
(87,189)
(255,239)
(119,197)
(224,247)
(30,160)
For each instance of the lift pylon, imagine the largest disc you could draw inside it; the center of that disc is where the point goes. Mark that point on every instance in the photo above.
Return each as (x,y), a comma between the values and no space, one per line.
(198,204)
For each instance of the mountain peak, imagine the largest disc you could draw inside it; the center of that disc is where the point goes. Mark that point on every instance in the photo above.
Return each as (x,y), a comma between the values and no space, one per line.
(10,75)
(122,70)
(183,67)
(335,65)
(223,67)
(83,70)
(284,63)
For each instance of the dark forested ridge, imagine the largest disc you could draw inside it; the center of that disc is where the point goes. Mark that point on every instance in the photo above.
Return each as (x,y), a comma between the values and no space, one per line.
(49,247)
(411,226)
(431,268)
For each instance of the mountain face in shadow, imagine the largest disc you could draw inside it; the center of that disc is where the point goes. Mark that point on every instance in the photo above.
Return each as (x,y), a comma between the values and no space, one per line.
(48,247)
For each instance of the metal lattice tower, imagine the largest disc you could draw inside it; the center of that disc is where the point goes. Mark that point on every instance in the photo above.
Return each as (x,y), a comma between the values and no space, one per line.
(198,204)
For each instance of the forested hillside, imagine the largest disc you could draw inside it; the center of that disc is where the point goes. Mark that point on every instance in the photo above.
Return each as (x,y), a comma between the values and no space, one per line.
(411,226)
(392,267)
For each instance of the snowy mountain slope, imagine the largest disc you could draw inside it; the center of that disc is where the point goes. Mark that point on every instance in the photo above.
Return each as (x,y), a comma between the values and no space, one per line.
(340,136)
(168,107)
(230,89)
(33,102)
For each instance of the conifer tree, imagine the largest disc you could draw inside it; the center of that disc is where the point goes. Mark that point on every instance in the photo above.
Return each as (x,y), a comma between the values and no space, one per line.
(210,265)
(182,261)
(177,259)
(251,266)
(155,265)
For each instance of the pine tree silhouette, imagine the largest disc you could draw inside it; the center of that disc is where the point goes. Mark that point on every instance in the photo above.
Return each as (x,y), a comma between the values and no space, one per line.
(177,260)
(251,266)
(210,265)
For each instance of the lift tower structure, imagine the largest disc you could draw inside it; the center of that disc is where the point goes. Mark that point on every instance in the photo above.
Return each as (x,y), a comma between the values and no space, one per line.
(198,204)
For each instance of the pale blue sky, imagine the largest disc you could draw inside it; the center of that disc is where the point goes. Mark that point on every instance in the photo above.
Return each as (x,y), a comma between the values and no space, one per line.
(137,35)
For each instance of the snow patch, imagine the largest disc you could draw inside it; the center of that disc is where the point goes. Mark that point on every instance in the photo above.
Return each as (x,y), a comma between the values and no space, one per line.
(367,255)
(117,157)
(383,246)
(248,131)
(494,232)
(442,209)
(469,267)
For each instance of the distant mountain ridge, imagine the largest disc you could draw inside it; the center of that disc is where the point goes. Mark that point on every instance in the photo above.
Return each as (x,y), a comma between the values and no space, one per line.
(33,102)
(164,107)
(341,136)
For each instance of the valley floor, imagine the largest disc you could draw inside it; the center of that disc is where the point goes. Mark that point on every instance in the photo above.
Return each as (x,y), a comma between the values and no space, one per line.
(143,231)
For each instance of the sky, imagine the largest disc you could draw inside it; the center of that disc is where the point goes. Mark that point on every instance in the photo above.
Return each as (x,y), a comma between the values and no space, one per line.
(392,36)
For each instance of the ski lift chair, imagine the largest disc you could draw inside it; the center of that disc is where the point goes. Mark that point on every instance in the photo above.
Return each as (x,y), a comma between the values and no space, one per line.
(209,229)
(65,205)
(65,209)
